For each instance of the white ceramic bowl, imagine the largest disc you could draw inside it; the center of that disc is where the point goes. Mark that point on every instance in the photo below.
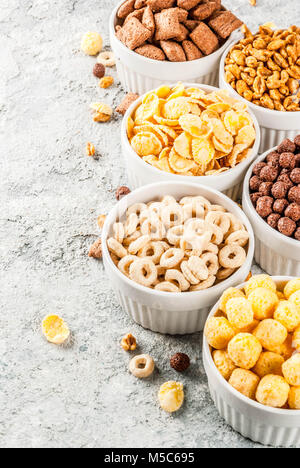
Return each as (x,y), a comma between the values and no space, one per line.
(173,313)
(275,125)
(263,424)
(139,74)
(141,173)
(274,252)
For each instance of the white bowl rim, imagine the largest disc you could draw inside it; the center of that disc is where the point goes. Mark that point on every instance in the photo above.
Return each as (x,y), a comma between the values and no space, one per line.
(218,288)
(164,62)
(270,112)
(258,219)
(232,171)
(226,385)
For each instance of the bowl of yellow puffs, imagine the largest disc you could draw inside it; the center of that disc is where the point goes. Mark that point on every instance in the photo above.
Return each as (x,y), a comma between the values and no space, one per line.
(190,132)
(251,355)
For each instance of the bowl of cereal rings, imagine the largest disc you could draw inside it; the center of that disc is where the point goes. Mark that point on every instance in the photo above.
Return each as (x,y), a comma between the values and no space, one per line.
(190,132)
(170,249)
(262,70)
(271,201)
(251,355)
(154,41)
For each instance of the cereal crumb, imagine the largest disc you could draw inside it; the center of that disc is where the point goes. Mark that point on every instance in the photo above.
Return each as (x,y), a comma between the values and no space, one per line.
(90,149)
(122,191)
(128,342)
(96,249)
(101,220)
(55,329)
(106,82)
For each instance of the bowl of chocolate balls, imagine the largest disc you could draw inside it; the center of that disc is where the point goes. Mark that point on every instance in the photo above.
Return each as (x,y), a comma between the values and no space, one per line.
(271,200)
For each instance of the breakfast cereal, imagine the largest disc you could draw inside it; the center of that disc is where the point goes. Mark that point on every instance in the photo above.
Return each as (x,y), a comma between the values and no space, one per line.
(245,382)
(55,329)
(273,391)
(171,396)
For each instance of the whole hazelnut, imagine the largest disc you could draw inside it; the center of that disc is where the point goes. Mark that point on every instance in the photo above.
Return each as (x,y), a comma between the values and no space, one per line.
(122,191)
(294,194)
(295,175)
(269,173)
(273,219)
(265,188)
(293,211)
(99,70)
(273,159)
(254,183)
(254,197)
(180,362)
(297,234)
(264,206)
(286,146)
(286,226)
(258,167)
(279,190)
(280,205)
(287,160)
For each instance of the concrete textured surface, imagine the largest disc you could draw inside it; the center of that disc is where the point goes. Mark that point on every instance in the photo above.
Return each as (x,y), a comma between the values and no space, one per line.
(51,194)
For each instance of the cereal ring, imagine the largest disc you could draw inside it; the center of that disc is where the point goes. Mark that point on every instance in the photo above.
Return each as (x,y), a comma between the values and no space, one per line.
(107,59)
(188,274)
(172,215)
(153,251)
(235,223)
(220,219)
(212,248)
(137,208)
(239,238)
(119,232)
(210,281)
(178,277)
(141,366)
(217,236)
(198,268)
(115,247)
(193,210)
(131,224)
(171,258)
(167,286)
(224,273)
(168,200)
(211,261)
(138,244)
(143,271)
(194,244)
(128,240)
(174,234)
(217,208)
(232,256)
(125,263)
(155,207)
(198,199)
(154,228)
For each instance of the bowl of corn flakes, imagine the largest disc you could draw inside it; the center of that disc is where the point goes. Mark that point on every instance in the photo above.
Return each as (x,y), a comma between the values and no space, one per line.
(170,249)
(263,70)
(251,355)
(190,132)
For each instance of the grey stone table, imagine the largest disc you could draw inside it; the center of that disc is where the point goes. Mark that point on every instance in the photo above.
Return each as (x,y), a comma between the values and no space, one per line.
(50,196)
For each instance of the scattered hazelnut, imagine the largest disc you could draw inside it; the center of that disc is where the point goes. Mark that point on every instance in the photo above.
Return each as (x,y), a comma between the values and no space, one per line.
(122,191)
(180,362)
(128,342)
(99,70)
(96,249)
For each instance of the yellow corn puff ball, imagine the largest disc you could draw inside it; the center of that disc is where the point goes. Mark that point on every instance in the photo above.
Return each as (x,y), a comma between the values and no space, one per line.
(218,332)
(295,299)
(287,313)
(55,329)
(249,328)
(171,396)
(268,363)
(291,370)
(285,349)
(263,302)
(294,398)
(229,294)
(245,382)
(91,43)
(244,350)
(273,391)
(239,312)
(223,363)
(280,295)
(296,339)
(291,287)
(259,281)
(270,333)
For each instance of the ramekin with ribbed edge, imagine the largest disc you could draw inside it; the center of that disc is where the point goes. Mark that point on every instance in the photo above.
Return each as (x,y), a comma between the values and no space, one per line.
(275,126)
(172,313)
(139,74)
(141,173)
(268,426)
(274,252)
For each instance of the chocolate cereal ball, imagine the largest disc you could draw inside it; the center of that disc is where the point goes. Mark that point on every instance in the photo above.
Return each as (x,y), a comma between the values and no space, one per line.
(291,370)
(284,177)
(297,234)
(297,141)
(293,211)
(99,70)
(255,183)
(287,160)
(223,363)
(264,206)
(269,173)
(218,332)
(295,175)
(272,391)
(254,197)
(268,363)
(286,146)
(270,333)
(258,167)
(265,188)
(273,219)
(273,159)
(279,190)
(286,226)
(280,205)
(294,194)
(244,350)
(245,382)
